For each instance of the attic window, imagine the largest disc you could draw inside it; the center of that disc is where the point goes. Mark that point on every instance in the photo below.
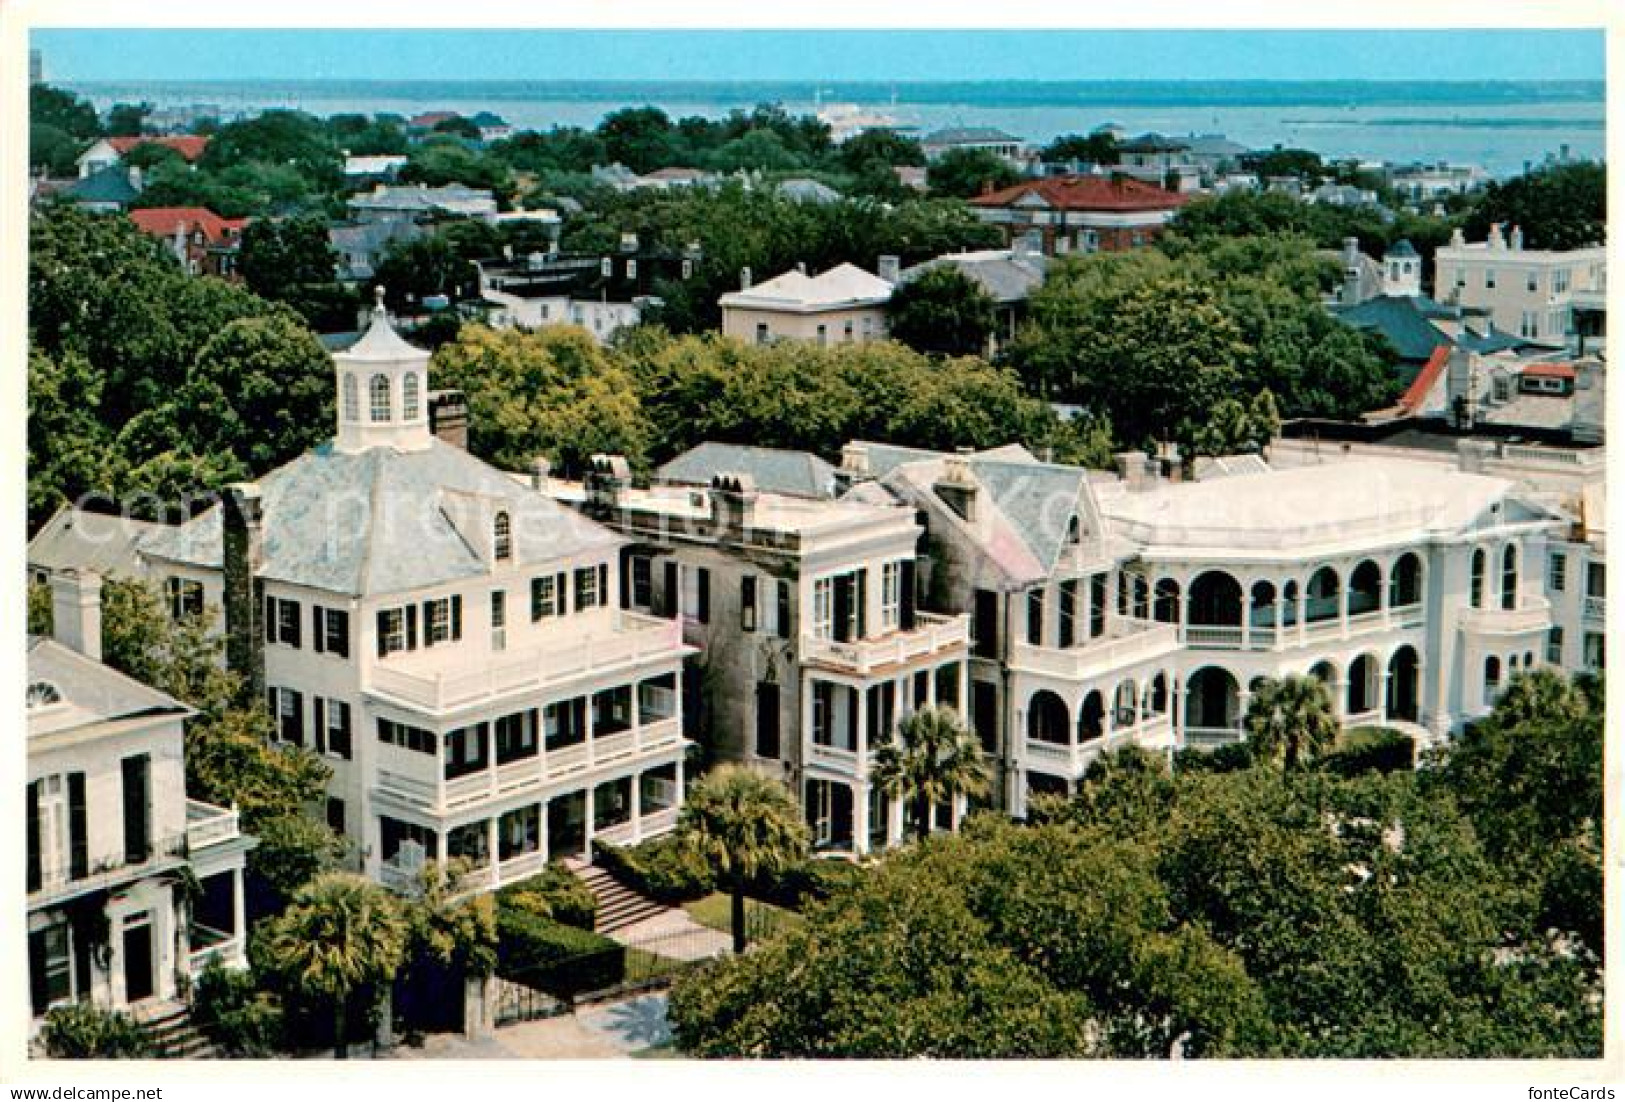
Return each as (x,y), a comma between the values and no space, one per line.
(1074,531)
(502,537)
(43,694)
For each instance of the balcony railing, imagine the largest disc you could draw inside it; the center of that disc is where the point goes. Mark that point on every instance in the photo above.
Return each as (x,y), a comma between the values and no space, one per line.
(414,777)
(659,822)
(1536,615)
(1130,643)
(932,636)
(58,883)
(834,757)
(209,944)
(208,825)
(1206,738)
(636,639)
(1071,759)
(1596,608)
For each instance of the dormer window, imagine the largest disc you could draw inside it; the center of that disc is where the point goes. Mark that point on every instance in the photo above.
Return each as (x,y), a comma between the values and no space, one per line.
(501,538)
(43,694)
(409,397)
(380,398)
(352,399)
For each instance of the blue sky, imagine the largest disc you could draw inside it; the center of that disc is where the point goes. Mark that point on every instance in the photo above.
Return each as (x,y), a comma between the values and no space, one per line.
(81,55)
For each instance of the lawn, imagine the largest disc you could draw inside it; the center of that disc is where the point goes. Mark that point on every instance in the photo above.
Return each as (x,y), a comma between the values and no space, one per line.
(715,911)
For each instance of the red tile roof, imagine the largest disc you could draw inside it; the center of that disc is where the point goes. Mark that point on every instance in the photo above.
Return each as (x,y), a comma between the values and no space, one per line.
(188,146)
(161,222)
(1105,193)
(1549,371)
(431,118)
(1417,392)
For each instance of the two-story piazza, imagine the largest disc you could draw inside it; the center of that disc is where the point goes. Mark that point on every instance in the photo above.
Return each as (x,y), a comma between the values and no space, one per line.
(445,635)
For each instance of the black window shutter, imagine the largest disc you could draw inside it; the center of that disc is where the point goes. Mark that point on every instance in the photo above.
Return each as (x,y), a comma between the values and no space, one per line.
(457,616)
(411,627)
(674,596)
(135,808)
(863,604)
(626,577)
(35,876)
(341,636)
(428,620)
(909,605)
(298,737)
(38,993)
(784,610)
(318,732)
(296,623)
(603,583)
(341,744)
(703,597)
(843,608)
(318,629)
(560,594)
(747,603)
(383,635)
(536,599)
(78,832)
(270,619)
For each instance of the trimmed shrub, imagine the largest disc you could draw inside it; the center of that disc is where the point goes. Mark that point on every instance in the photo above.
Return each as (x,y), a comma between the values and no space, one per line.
(561,960)
(229,1009)
(1371,750)
(554,893)
(663,869)
(84,1031)
(809,882)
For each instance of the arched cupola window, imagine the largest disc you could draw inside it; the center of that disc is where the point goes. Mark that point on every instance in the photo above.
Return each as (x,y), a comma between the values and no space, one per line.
(380,398)
(409,396)
(352,399)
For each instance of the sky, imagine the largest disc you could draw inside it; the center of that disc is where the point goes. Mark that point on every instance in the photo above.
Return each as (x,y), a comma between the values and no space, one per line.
(121,55)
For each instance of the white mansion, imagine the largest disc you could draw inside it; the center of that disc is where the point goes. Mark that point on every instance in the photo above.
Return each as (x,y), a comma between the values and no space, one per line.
(446,637)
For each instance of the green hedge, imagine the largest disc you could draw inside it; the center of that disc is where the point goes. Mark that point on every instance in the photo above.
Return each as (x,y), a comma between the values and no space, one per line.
(83,1031)
(561,960)
(554,893)
(808,882)
(662,869)
(1371,750)
(229,1009)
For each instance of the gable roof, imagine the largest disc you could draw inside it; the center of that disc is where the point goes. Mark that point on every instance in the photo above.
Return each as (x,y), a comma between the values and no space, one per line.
(189,146)
(1152,143)
(161,222)
(792,473)
(1102,193)
(76,539)
(842,286)
(1407,321)
(381,521)
(91,692)
(1416,395)
(107,185)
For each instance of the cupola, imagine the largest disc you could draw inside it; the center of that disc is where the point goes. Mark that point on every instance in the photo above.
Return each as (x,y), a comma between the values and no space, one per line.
(383,395)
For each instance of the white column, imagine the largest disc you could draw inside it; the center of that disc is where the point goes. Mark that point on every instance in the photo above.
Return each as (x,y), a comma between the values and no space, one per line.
(860,817)
(541,832)
(1343,605)
(636,782)
(964,690)
(894,821)
(493,849)
(1247,616)
(587,821)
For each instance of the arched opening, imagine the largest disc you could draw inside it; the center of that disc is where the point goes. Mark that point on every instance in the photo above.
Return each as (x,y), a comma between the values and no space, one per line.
(1263,610)
(1362,690)
(1047,719)
(409,397)
(1322,595)
(1365,588)
(1215,600)
(1475,587)
(1509,577)
(1403,679)
(352,398)
(501,538)
(1324,672)
(1492,678)
(1166,606)
(1159,694)
(1125,705)
(1405,581)
(1289,604)
(1212,701)
(379,392)
(1092,717)
(1528,659)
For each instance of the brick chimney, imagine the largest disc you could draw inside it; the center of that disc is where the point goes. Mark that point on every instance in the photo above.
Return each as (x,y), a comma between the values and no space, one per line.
(242,540)
(541,469)
(889,268)
(606,481)
(957,487)
(76,611)
(733,500)
(448,417)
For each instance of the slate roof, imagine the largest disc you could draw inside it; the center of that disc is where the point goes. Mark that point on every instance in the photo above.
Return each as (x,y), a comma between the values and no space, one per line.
(1152,143)
(792,473)
(1005,274)
(376,522)
(967,135)
(1407,322)
(803,190)
(1403,249)
(108,185)
(75,539)
(91,692)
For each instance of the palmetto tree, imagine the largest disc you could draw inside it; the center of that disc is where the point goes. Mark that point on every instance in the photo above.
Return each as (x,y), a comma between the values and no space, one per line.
(341,935)
(743,824)
(933,760)
(1290,720)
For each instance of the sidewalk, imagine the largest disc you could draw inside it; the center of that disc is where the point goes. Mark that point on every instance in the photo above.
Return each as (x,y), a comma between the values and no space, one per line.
(608,1031)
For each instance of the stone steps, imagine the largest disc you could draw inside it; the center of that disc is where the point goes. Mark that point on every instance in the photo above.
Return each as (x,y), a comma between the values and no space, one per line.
(618,905)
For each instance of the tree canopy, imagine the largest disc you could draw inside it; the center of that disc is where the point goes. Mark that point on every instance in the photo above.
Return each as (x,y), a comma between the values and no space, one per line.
(943,311)
(1561,207)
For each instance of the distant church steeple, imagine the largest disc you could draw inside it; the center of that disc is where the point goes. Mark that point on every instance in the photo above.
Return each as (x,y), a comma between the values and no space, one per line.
(383,398)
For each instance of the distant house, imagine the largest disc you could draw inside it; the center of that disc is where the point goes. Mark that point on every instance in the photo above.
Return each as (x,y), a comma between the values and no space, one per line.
(107,152)
(1213,152)
(772,471)
(1081,213)
(677,176)
(1532,291)
(419,203)
(1008,276)
(428,120)
(493,128)
(804,190)
(1342,195)
(990,139)
(841,306)
(204,242)
(601,293)
(1153,152)
(911,176)
(106,191)
(361,245)
(380,169)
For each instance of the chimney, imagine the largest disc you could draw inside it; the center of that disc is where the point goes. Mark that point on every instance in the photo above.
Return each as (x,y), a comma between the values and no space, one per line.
(733,500)
(801,266)
(1496,241)
(1351,252)
(607,479)
(76,611)
(541,469)
(1517,237)
(1472,455)
(1457,238)
(242,550)
(888,268)
(1167,463)
(448,417)
(957,487)
(1134,468)
(744,279)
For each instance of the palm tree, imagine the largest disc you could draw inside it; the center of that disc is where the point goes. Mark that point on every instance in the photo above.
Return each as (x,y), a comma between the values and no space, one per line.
(1290,720)
(341,935)
(743,824)
(933,760)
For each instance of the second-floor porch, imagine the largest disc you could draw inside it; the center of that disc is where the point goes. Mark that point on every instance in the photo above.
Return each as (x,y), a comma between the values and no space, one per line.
(931,639)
